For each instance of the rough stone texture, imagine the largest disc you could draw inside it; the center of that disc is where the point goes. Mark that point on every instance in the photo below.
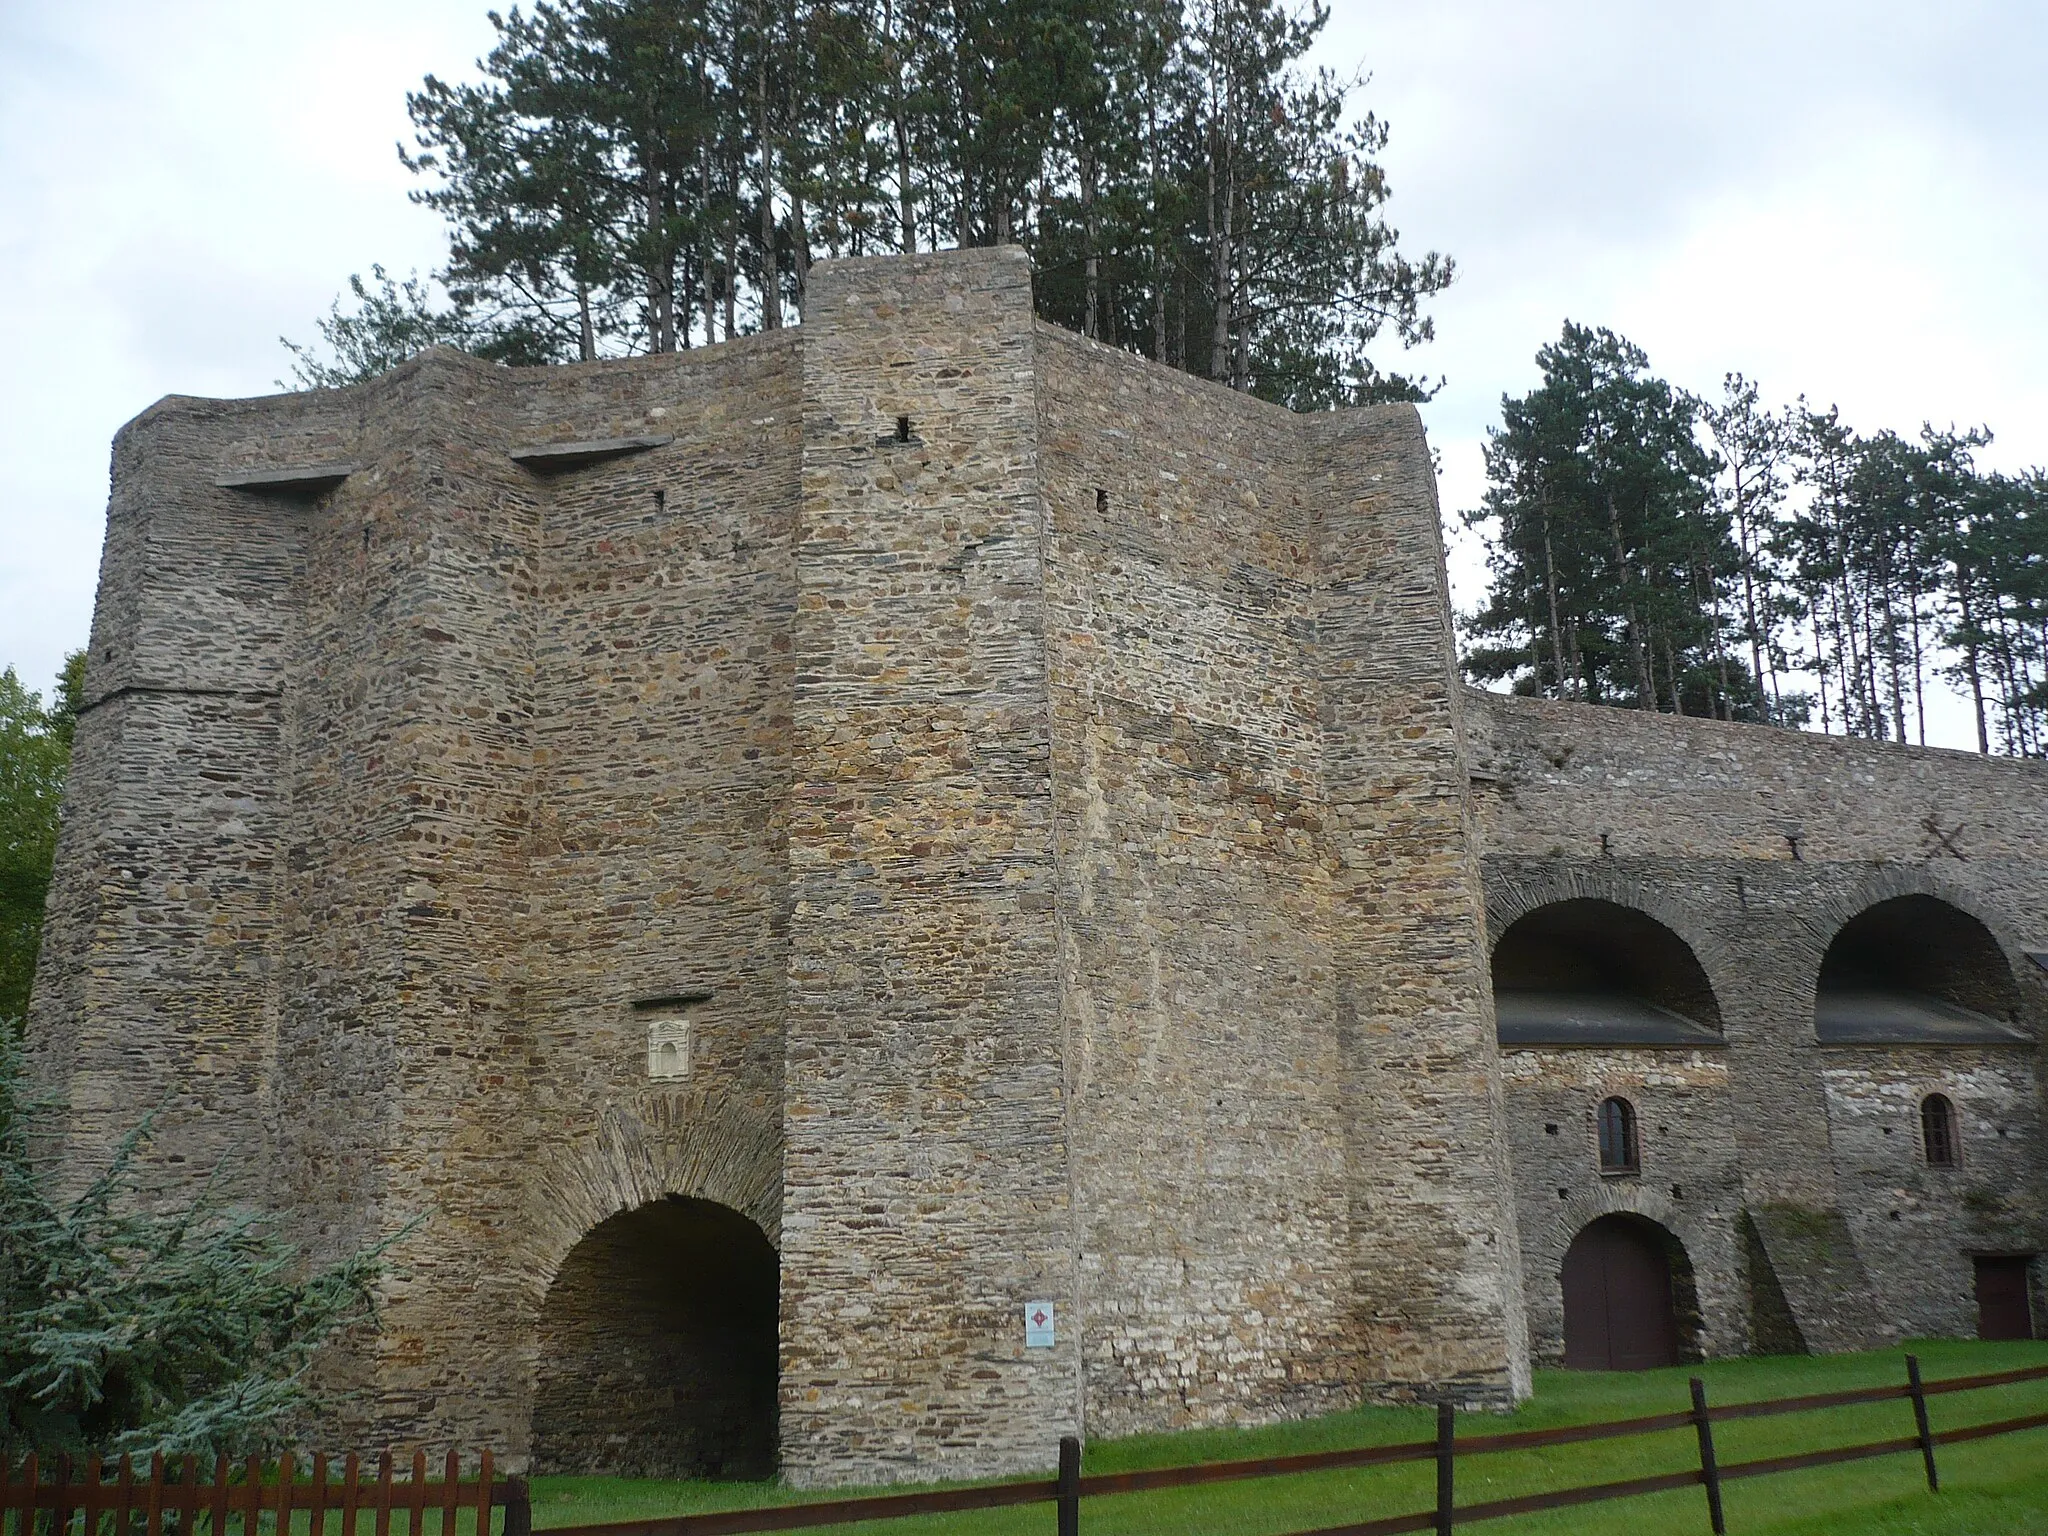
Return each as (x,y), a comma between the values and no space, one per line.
(1254,743)
(659,1348)
(1916,1227)
(1689,1182)
(925,1164)
(1696,817)
(1037,786)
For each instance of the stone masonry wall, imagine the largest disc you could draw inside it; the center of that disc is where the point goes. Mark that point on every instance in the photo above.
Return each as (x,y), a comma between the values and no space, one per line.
(157,988)
(1437,1264)
(927,1194)
(1690,1182)
(478,759)
(1700,821)
(658,871)
(1036,787)
(1198,984)
(1915,1226)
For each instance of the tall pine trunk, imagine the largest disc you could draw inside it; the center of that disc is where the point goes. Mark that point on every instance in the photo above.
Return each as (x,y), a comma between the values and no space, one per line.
(800,245)
(899,125)
(1091,260)
(1550,590)
(586,331)
(1638,642)
(661,270)
(1159,267)
(771,274)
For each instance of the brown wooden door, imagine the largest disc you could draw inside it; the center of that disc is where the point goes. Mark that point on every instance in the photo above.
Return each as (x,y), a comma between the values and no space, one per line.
(2003,1309)
(1617,1299)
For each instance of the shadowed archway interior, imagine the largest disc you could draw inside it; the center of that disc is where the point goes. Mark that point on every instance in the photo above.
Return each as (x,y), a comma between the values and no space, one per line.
(658,1348)
(1916,970)
(1592,972)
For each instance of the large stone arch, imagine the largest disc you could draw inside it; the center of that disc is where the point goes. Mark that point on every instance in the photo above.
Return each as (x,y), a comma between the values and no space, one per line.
(1513,895)
(1982,958)
(637,1155)
(636,1182)
(1564,933)
(659,1348)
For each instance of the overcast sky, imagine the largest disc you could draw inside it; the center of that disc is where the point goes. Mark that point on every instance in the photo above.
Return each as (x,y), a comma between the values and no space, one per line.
(1844,200)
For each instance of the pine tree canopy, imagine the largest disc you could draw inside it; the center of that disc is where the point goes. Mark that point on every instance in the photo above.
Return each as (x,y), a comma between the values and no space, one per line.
(35,749)
(1653,550)
(1612,549)
(643,175)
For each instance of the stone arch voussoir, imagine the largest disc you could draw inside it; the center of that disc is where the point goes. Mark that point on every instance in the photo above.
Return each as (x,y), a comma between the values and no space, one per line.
(1621,1197)
(1828,916)
(627,1162)
(1511,897)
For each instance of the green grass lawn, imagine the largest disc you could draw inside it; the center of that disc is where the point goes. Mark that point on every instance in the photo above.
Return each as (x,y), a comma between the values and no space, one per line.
(1995,1487)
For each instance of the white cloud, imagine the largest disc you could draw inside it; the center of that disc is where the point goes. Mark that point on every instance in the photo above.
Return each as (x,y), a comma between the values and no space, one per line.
(1841,200)
(1840,197)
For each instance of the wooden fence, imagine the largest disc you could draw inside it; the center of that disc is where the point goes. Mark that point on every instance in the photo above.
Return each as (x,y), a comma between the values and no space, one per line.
(1446,1450)
(172,1500)
(183,1497)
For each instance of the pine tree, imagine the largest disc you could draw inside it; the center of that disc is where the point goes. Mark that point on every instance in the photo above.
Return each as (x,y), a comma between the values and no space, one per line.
(35,750)
(127,1327)
(630,175)
(1612,560)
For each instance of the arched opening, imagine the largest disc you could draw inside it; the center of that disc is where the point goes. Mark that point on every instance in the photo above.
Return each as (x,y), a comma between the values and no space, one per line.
(658,1348)
(1620,1151)
(1915,970)
(1938,1140)
(1589,972)
(1629,1299)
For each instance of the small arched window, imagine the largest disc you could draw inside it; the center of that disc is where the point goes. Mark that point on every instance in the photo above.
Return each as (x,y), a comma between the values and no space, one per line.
(1938,1130)
(1619,1151)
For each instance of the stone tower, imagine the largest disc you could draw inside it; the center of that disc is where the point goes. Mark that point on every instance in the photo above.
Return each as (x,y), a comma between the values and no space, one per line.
(777,857)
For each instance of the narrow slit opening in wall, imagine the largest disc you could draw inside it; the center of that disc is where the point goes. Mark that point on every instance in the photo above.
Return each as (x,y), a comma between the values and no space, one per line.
(673,1000)
(902,429)
(1101,502)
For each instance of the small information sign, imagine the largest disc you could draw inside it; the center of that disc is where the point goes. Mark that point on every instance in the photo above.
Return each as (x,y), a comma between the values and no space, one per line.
(1038,1325)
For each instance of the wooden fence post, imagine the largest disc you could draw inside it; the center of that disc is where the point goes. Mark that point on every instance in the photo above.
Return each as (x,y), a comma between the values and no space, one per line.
(1070,1486)
(220,1496)
(1710,1470)
(483,1496)
(1923,1433)
(25,1525)
(1446,1454)
(518,1508)
(451,1491)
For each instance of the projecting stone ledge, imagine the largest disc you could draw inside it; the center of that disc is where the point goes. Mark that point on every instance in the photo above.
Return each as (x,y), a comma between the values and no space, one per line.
(553,458)
(288,480)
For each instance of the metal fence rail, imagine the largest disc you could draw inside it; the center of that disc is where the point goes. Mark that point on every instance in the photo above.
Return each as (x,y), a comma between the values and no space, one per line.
(1070,1488)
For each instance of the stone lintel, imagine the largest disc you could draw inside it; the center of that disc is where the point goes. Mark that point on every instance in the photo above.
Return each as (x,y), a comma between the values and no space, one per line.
(555,458)
(287,480)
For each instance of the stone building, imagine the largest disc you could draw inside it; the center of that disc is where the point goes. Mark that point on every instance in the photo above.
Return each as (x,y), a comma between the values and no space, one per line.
(889,891)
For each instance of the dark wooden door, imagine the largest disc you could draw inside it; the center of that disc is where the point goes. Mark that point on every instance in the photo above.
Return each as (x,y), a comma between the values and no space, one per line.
(1617,1299)
(2003,1309)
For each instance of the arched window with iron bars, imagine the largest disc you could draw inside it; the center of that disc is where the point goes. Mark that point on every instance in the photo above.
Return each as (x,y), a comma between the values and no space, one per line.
(1620,1151)
(1938,1131)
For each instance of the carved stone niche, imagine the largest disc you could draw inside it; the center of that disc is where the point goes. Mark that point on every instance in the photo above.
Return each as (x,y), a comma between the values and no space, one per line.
(668,1047)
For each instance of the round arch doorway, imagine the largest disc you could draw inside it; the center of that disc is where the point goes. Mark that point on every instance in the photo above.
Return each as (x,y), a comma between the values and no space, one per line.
(1626,1280)
(658,1348)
